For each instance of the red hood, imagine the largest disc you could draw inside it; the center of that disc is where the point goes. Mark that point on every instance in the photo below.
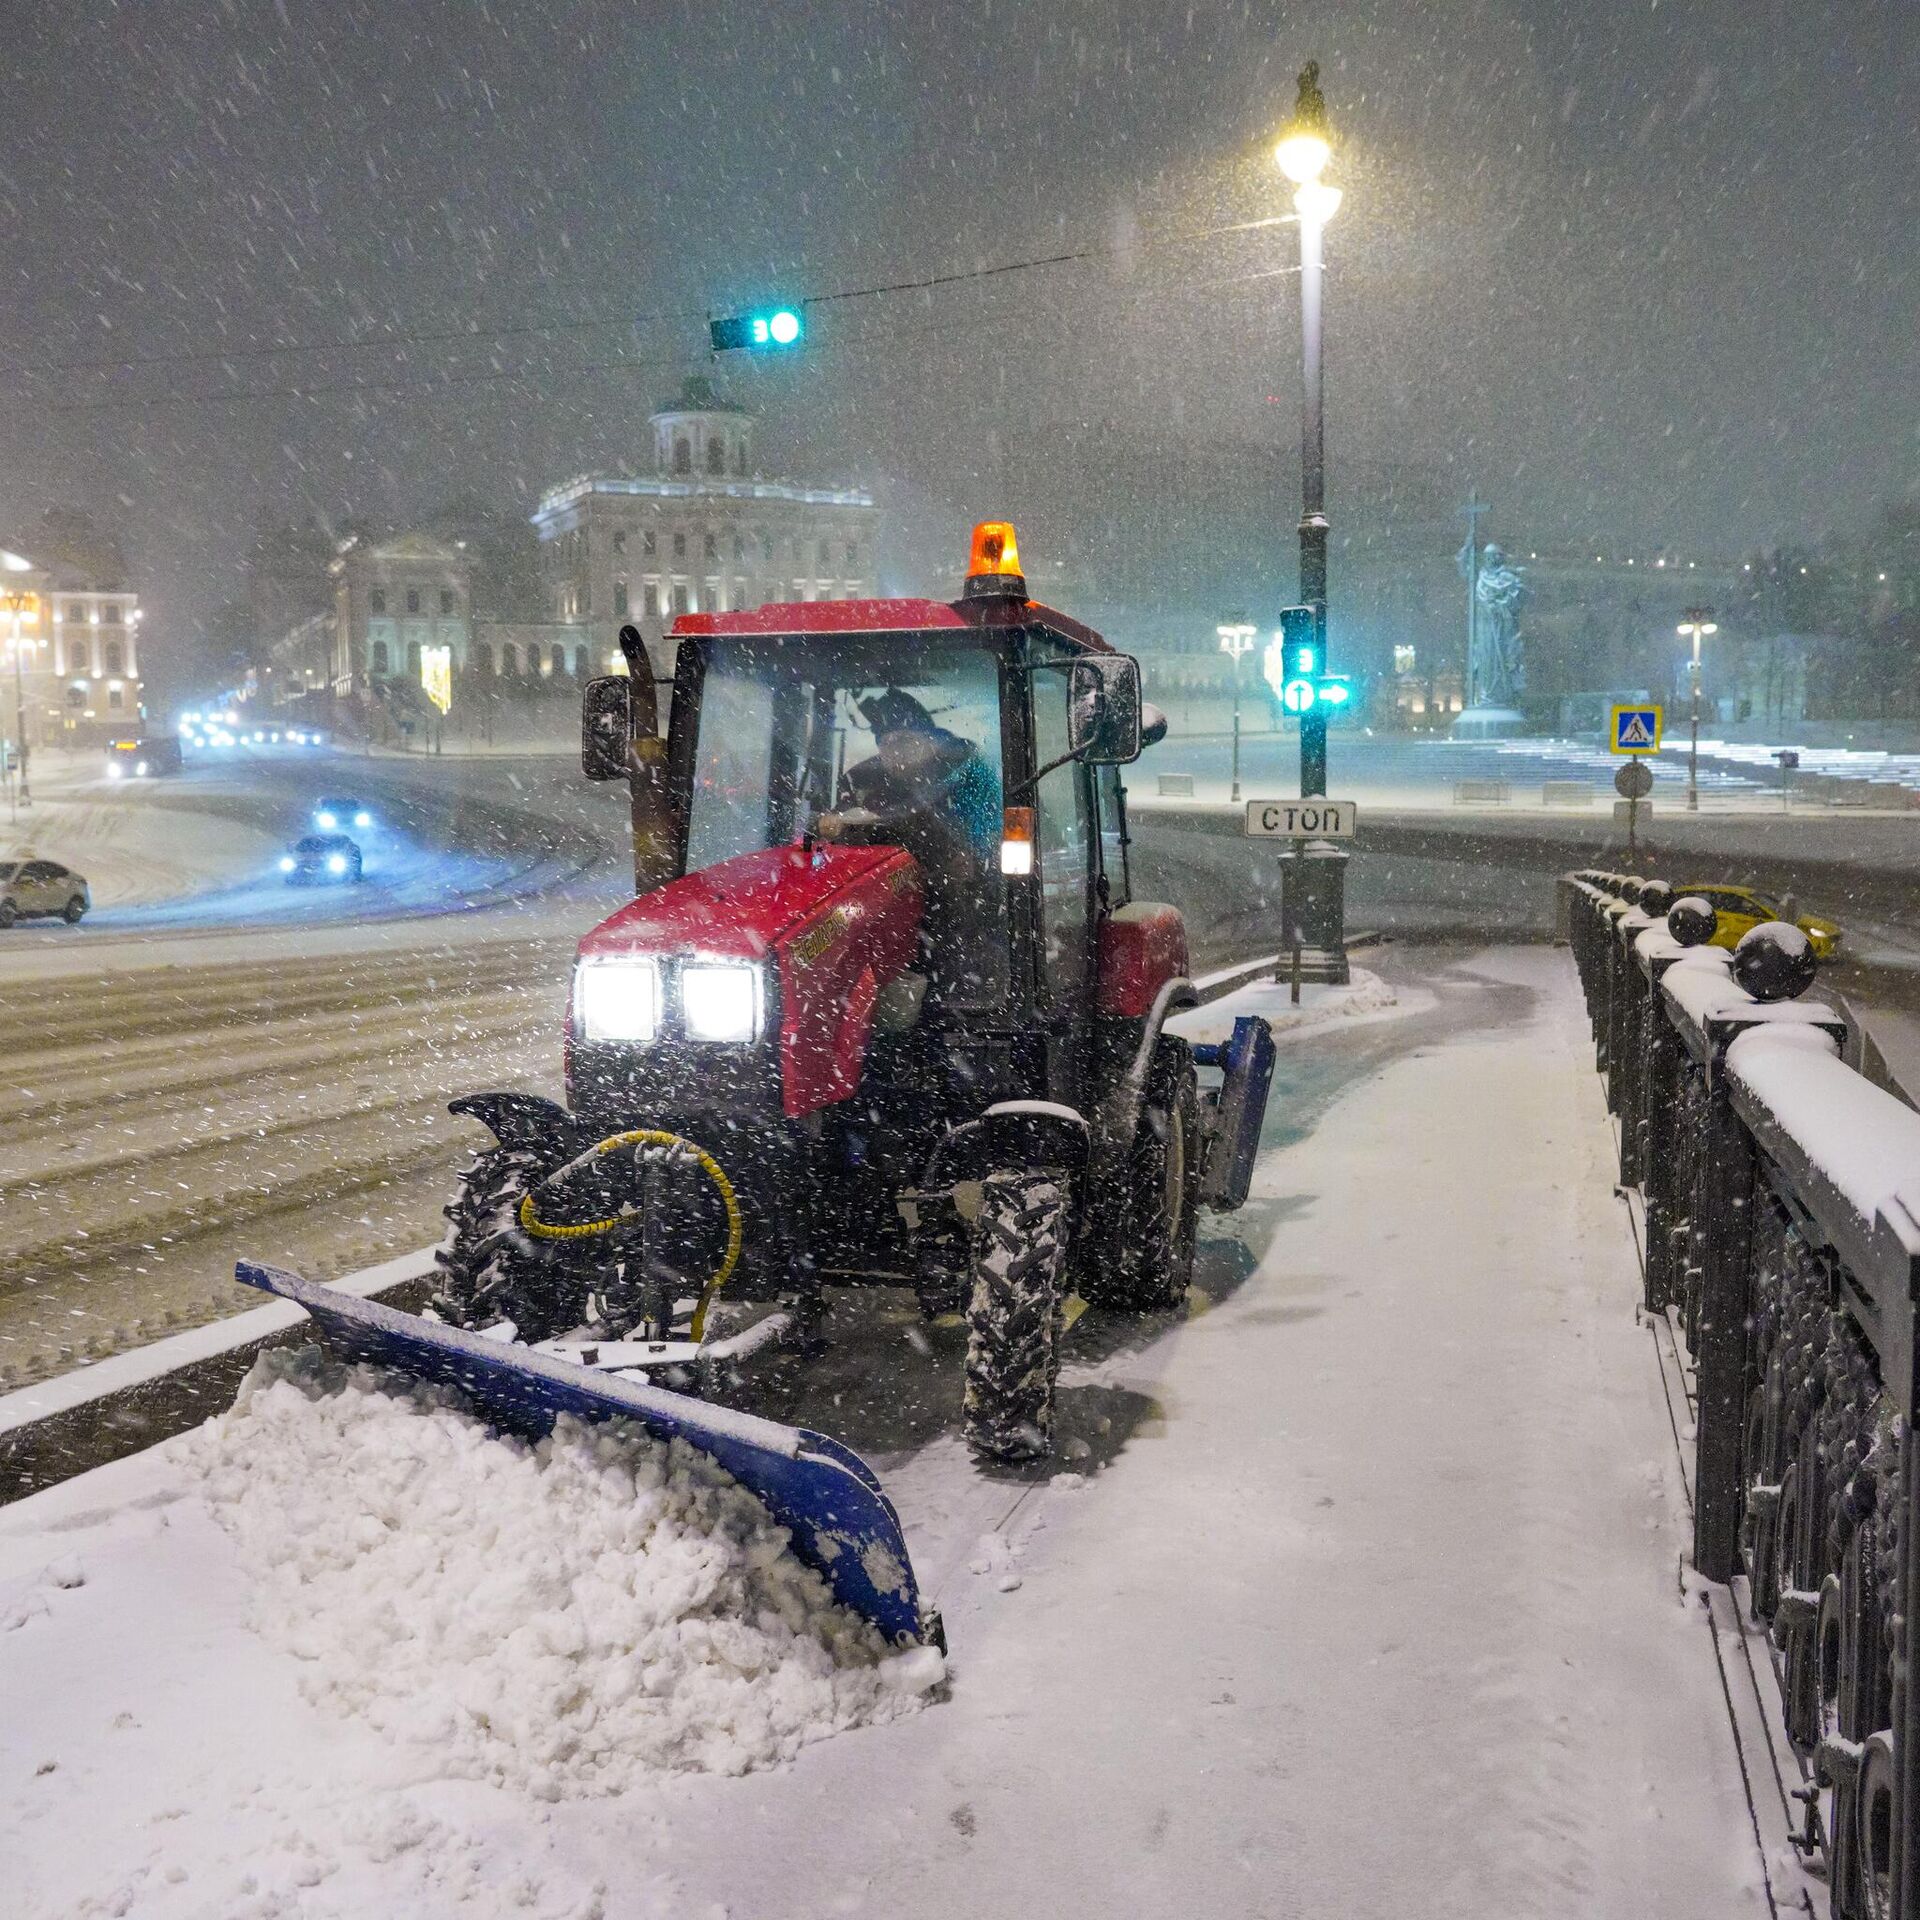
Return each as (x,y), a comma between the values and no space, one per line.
(741,909)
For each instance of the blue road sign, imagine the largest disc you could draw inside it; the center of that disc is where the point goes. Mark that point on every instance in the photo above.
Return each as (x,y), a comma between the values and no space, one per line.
(1634,730)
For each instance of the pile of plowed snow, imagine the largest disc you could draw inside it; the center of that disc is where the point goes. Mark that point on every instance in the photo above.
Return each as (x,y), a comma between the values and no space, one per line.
(561,1618)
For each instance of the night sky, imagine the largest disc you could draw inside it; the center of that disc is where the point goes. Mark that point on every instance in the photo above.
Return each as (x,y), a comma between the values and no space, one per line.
(1642,272)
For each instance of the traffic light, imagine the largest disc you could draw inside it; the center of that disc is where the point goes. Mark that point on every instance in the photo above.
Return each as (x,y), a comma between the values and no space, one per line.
(767,329)
(1297,670)
(1299,641)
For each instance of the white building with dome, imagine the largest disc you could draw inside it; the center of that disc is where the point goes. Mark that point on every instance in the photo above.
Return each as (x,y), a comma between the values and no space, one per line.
(705,531)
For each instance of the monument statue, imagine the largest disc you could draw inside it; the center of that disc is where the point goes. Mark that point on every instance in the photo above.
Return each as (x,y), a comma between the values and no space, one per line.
(1496,669)
(1496,672)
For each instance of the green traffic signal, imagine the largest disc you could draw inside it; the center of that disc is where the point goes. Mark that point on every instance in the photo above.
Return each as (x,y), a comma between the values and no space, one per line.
(758,332)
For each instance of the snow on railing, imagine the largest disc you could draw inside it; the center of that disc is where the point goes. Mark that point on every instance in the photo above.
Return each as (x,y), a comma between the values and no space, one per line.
(1781,1193)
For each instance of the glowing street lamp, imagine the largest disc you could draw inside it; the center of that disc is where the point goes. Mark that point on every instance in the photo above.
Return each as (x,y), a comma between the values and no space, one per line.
(1236,641)
(1302,153)
(1696,622)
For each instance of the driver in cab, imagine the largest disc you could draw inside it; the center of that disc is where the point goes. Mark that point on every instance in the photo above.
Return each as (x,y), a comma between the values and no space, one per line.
(928,791)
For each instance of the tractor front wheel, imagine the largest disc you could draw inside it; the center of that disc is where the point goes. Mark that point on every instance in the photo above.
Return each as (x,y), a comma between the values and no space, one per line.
(487,1268)
(1013,1317)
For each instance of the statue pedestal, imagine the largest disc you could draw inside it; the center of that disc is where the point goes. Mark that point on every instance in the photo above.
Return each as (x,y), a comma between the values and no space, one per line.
(1488,723)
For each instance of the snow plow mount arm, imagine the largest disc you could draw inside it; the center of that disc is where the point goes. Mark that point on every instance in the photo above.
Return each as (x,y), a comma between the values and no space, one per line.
(1233,1116)
(525,1120)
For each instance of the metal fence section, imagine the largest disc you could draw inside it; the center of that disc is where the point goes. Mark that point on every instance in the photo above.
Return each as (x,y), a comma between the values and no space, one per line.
(1781,1192)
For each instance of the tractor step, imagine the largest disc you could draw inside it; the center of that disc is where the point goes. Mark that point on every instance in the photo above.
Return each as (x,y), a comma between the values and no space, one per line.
(842,1524)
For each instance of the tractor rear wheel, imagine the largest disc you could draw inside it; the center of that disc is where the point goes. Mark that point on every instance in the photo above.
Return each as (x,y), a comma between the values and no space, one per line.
(488,1269)
(1013,1318)
(1147,1266)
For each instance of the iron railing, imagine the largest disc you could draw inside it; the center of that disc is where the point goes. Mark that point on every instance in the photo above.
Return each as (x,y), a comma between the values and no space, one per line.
(1781,1192)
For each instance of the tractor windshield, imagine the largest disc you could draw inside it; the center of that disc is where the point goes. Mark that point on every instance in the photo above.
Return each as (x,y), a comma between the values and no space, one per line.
(797,736)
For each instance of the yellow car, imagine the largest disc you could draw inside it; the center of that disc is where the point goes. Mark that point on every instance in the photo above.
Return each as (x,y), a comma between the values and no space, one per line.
(1739,909)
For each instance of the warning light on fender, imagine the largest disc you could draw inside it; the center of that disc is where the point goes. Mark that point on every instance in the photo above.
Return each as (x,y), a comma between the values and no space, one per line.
(1016,842)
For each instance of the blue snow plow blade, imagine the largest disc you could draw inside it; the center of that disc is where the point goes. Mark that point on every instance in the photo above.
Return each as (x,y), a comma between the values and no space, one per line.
(842,1525)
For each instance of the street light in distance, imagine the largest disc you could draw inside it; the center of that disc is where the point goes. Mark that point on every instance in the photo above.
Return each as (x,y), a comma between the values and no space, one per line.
(1695,623)
(1236,641)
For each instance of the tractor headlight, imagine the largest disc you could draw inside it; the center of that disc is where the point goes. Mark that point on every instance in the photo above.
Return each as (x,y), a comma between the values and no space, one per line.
(720,1002)
(325,820)
(336,863)
(286,863)
(363,818)
(617,999)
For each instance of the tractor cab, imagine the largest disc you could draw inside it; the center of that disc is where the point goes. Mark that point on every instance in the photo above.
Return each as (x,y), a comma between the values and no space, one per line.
(882,1007)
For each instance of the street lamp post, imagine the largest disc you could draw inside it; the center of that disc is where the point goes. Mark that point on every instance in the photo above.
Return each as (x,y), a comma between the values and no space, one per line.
(15,602)
(1316,884)
(1236,641)
(1304,148)
(1694,623)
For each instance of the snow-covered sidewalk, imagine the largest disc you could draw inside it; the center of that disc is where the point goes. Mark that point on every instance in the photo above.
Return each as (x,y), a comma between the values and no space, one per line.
(1357,1596)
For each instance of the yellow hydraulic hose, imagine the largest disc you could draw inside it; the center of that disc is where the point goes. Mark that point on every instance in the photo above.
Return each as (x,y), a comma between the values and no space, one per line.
(653,1137)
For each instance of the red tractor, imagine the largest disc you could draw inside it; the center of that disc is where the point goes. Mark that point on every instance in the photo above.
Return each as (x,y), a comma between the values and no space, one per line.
(883,1010)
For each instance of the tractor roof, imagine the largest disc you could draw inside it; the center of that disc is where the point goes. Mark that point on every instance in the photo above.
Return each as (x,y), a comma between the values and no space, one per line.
(806,619)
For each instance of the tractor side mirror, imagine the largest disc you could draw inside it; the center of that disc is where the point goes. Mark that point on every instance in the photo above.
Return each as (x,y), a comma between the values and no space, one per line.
(606,726)
(1103,709)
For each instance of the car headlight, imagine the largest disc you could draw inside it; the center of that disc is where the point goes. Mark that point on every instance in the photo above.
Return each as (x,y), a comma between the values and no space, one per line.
(114,769)
(618,999)
(363,819)
(286,863)
(325,822)
(336,863)
(140,769)
(720,1003)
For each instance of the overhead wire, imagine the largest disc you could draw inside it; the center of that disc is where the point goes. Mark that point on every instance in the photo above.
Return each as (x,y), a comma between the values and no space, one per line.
(399,339)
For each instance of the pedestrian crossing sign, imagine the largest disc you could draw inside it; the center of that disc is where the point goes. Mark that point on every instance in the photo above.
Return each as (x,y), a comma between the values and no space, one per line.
(1635,730)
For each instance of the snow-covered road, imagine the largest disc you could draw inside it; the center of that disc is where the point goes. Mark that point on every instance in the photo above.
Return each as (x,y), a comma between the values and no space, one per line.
(1355,1594)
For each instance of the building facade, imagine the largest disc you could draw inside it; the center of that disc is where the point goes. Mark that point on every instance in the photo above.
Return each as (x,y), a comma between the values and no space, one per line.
(75,637)
(704,532)
(402,610)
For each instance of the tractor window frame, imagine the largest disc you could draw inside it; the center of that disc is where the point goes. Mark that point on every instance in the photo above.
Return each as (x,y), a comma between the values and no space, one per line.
(1046,662)
(1110,795)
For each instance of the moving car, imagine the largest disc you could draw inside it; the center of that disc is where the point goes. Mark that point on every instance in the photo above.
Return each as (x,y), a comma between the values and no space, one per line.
(336,813)
(142,759)
(1738,910)
(30,887)
(321,857)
